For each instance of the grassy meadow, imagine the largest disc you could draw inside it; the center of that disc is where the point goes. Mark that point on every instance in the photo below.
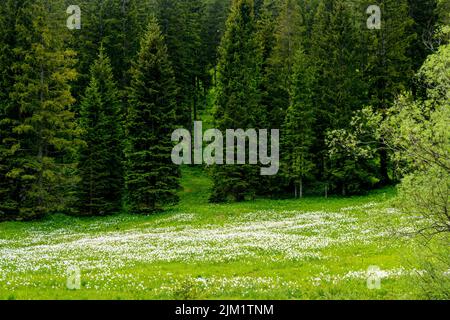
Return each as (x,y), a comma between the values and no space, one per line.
(313,248)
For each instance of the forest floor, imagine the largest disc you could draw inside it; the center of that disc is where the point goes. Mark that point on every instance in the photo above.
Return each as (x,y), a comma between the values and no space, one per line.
(313,248)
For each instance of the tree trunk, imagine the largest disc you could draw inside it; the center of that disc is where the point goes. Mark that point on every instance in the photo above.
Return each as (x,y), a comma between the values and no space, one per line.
(384,164)
(301,188)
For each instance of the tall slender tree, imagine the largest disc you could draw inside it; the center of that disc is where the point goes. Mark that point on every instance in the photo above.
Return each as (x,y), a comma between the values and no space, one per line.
(213,28)
(181,24)
(289,33)
(114,24)
(151,178)
(272,93)
(100,164)
(266,25)
(340,89)
(389,69)
(10,10)
(425,16)
(38,130)
(298,130)
(237,102)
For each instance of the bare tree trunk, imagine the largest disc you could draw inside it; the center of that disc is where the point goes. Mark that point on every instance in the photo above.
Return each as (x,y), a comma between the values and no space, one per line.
(384,164)
(301,188)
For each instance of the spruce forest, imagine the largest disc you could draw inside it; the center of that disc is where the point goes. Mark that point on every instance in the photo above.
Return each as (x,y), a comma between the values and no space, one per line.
(91,92)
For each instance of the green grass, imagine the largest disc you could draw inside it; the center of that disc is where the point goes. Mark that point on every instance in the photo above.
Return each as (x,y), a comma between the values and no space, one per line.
(313,248)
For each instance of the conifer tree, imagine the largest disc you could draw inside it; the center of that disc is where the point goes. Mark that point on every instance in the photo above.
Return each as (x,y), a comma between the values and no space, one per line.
(289,33)
(237,102)
(425,16)
(340,89)
(9,11)
(180,22)
(266,24)
(38,130)
(388,68)
(114,24)
(100,164)
(298,130)
(213,28)
(273,107)
(151,178)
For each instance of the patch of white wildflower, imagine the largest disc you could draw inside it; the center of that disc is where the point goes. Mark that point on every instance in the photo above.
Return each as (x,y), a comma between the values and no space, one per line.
(274,236)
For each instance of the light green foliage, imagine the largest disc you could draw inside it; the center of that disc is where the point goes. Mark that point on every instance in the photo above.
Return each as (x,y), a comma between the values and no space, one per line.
(313,248)
(356,151)
(419,132)
(307,67)
(362,139)
(435,72)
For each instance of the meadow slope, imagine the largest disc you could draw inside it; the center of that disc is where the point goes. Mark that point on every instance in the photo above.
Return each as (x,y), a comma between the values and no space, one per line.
(314,248)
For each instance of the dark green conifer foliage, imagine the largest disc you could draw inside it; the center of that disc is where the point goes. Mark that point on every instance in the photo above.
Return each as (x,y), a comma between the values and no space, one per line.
(152,180)
(100,163)
(238,97)
(389,69)
(340,88)
(425,16)
(9,12)
(266,24)
(38,130)
(298,130)
(181,25)
(117,26)
(270,102)
(288,36)
(213,28)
